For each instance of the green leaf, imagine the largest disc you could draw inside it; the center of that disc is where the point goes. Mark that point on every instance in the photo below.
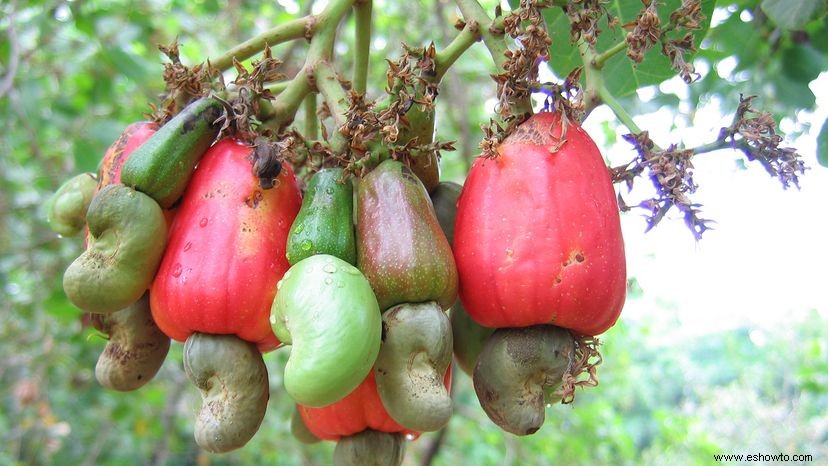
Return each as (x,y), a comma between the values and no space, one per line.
(621,75)
(792,14)
(802,63)
(822,145)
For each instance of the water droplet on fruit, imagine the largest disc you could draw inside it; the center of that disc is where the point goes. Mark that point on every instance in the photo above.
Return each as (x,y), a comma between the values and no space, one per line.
(306,245)
(329,281)
(329,268)
(273,317)
(329,191)
(203,222)
(176,271)
(298,229)
(510,252)
(340,285)
(188,246)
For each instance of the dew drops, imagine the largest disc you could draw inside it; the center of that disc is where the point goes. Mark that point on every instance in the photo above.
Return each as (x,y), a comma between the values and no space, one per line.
(329,191)
(188,246)
(176,271)
(510,252)
(299,228)
(203,222)
(306,245)
(329,268)
(340,285)
(329,281)
(273,317)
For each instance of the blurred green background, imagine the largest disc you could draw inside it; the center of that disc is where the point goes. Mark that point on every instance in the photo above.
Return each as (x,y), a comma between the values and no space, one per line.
(73,74)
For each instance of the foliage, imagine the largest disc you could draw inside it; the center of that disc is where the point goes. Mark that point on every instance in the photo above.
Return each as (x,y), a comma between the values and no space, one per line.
(74,74)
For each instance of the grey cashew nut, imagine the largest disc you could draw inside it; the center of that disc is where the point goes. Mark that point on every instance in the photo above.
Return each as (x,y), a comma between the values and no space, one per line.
(232,378)
(300,430)
(136,348)
(412,363)
(370,448)
(516,371)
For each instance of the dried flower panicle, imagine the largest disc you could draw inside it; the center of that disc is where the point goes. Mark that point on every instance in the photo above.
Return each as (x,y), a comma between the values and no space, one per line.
(645,31)
(583,19)
(759,141)
(670,172)
(674,49)
(520,71)
(183,83)
(411,82)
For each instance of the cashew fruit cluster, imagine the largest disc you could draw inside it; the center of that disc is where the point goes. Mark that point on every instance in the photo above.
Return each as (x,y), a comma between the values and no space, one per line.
(537,239)
(373,283)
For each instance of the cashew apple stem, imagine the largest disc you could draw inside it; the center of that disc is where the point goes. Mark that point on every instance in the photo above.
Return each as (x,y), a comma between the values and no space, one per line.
(362,46)
(446,57)
(287,103)
(295,29)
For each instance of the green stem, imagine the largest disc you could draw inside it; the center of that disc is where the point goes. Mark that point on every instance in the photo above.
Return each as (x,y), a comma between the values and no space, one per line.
(720,144)
(495,42)
(335,96)
(295,29)
(601,59)
(594,78)
(362,44)
(277,88)
(288,101)
(321,48)
(446,57)
(618,109)
(311,121)
(472,11)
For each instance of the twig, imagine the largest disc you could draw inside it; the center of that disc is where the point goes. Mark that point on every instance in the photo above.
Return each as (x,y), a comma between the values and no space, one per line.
(362,44)
(295,29)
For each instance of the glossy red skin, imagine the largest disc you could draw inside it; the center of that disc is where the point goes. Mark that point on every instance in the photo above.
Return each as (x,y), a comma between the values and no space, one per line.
(359,410)
(133,136)
(226,250)
(525,218)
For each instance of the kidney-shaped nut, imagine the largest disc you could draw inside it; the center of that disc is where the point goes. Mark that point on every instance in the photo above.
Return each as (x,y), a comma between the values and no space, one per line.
(412,363)
(516,371)
(232,378)
(135,350)
(325,309)
(127,236)
(66,211)
(370,448)
(300,430)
